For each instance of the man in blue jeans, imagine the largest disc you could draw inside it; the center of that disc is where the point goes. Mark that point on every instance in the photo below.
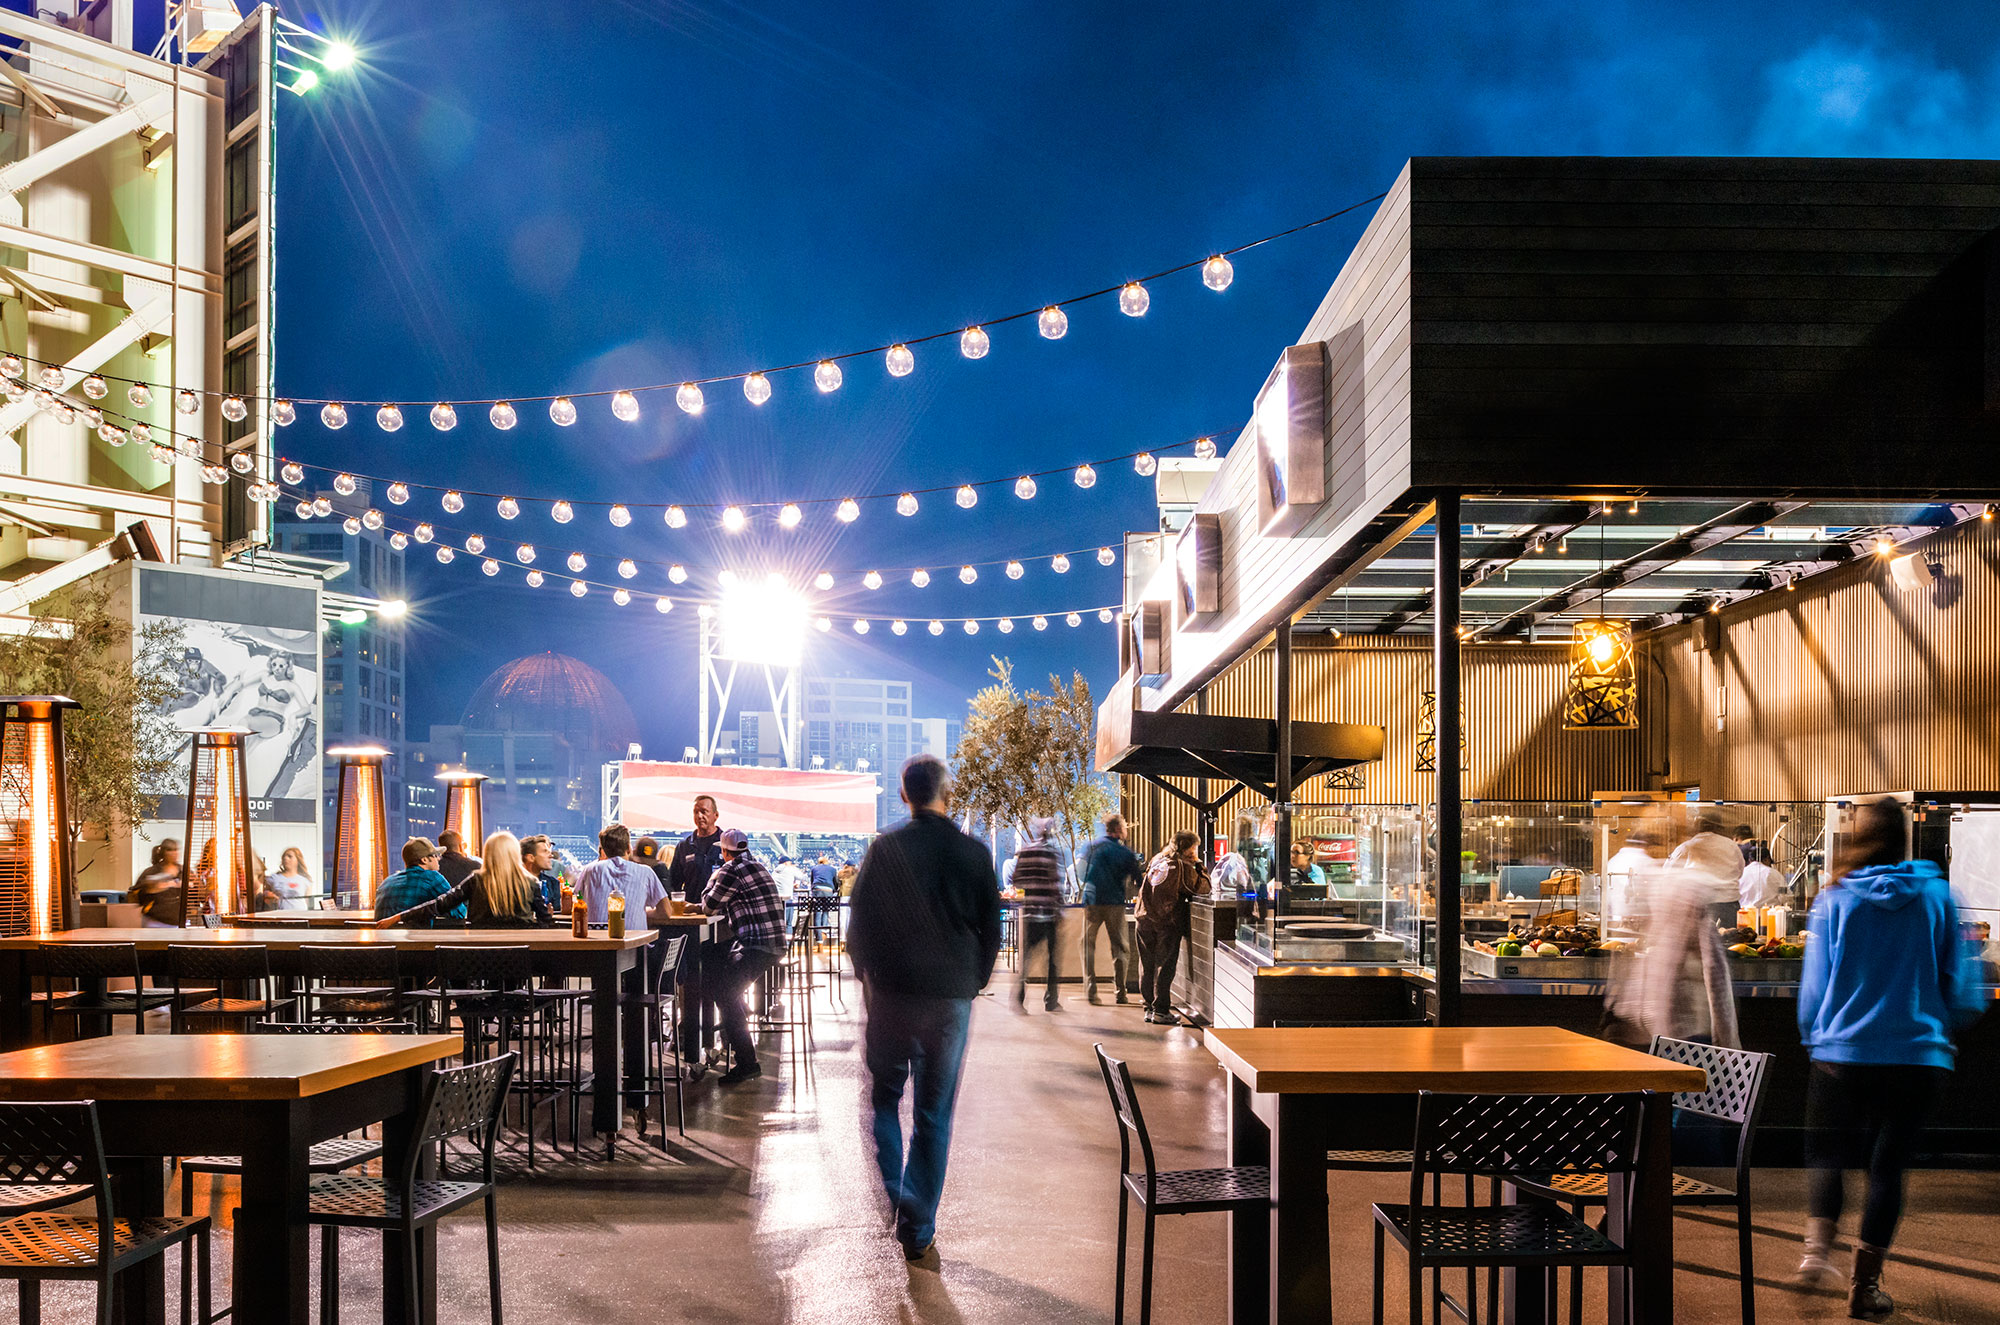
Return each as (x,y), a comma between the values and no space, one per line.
(923,931)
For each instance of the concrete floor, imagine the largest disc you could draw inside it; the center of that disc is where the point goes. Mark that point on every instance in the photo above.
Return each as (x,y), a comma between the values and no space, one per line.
(770,1211)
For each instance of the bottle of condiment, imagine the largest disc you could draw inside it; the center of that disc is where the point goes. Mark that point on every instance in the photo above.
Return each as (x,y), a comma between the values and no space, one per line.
(568,898)
(614,911)
(579,925)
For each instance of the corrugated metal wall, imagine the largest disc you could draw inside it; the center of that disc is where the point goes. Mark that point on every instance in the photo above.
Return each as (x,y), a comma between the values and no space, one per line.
(1846,685)
(1513,692)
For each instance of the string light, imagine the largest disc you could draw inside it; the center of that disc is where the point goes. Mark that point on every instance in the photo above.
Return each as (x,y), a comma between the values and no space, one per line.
(1204,448)
(1143,464)
(906,504)
(453,502)
(967,575)
(689,398)
(577,562)
(935,627)
(284,413)
(790,515)
(677,573)
(1006,625)
(389,418)
(423,533)
(1133,301)
(1059,563)
(826,376)
(399,540)
(872,580)
(535,579)
(503,415)
(561,512)
(823,581)
(676,518)
(920,577)
(1106,557)
(562,411)
(1073,619)
(620,516)
(398,493)
(625,408)
(443,417)
(899,627)
(861,625)
(971,627)
(1217,273)
(474,543)
(444,556)
(1024,487)
(187,402)
(525,553)
(823,624)
(848,511)
(1015,570)
(1053,323)
(967,496)
(490,566)
(1086,476)
(733,519)
(350,525)
(372,518)
(1104,615)
(344,484)
(621,596)
(241,462)
(663,605)
(1040,623)
(508,508)
(974,343)
(141,396)
(627,568)
(900,361)
(756,388)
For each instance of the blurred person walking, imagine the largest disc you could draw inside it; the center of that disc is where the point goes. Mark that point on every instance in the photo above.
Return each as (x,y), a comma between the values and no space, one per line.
(291,885)
(1038,878)
(1889,977)
(1173,877)
(157,890)
(1110,872)
(1679,985)
(923,936)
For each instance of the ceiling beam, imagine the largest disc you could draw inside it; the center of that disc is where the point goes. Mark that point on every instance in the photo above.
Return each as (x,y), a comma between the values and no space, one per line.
(1552,524)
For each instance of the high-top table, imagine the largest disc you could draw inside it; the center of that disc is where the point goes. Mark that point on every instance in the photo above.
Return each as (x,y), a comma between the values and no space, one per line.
(1296,1093)
(311,919)
(599,959)
(264,1097)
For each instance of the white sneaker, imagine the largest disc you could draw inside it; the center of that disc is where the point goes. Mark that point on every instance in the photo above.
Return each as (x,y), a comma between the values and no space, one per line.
(1817,1273)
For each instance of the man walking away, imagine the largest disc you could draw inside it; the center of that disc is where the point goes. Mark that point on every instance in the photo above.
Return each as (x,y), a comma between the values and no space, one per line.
(1038,878)
(1110,872)
(1172,878)
(923,934)
(743,893)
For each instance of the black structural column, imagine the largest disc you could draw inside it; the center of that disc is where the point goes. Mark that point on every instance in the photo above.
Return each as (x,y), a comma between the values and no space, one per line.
(1204,819)
(1450,796)
(1281,783)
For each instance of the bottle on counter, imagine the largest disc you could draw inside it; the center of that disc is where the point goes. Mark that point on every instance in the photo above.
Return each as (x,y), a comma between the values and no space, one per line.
(579,924)
(614,912)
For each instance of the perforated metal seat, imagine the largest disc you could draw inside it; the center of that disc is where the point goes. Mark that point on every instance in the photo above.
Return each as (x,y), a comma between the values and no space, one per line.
(1592,1188)
(354,1201)
(345,1152)
(1369,1161)
(1510,1234)
(25,1200)
(1193,1191)
(70,1241)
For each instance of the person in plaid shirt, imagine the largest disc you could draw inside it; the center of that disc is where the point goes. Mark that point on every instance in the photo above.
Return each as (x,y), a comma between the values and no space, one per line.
(742,892)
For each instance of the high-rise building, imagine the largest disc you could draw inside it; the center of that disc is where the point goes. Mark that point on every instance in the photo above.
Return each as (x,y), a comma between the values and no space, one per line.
(854,719)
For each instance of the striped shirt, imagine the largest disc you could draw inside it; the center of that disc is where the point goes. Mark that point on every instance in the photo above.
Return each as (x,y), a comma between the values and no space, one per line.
(1038,878)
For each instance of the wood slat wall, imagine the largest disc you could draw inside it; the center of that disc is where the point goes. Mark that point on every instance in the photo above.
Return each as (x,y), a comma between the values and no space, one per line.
(1845,685)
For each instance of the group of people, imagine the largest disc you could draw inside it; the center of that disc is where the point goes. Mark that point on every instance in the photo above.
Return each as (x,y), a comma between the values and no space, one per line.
(160,888)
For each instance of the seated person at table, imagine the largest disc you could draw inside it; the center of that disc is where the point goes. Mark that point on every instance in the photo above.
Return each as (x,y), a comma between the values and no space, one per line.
(743,893)
(614,871)
(500,894)
(414,884)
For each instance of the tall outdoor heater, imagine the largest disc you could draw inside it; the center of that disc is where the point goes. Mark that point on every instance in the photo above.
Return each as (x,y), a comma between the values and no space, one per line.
(216,859)
(37,877)
(361,824)
(463,812)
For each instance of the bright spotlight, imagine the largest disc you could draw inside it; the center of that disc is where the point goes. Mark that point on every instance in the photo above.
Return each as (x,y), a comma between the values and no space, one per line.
(353,616)
(339,56)
(305,82)
(393,609)
(763,621)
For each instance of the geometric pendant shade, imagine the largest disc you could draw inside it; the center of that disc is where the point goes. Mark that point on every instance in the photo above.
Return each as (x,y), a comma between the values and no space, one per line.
(36,875)
(1602,693)
(217,860)
(1427,738)
(464,813)
(361,825)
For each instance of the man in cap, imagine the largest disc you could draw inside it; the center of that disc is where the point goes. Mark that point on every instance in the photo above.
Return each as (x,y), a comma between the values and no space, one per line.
(743,893)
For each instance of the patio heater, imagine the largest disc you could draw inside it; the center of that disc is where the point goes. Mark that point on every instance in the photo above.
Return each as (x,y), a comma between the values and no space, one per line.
(361,824)
(217,859)
(463,812)
(37,877)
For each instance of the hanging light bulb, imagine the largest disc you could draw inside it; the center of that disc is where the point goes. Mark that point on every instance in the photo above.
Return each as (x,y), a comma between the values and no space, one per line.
(1006,625)
(351,525)
(304,510)
(677,573)
(1040,623)
(872,580)
(861,625)
(443,417)
(624,406)
(489,567)
(756,388)
(141,396)
(536,579)
(663,605)
(899,627)
(577,588)
(576,562)
(241,462)
(344,484)
(332,415)
(398,493)
(525,554)
(689,398)
(973,343)
(453,502)
(971,627)
(621,596)
(1106,557)
(1059,563)
(733,519)
(1024,487)
(233,407)
(293,472)
(906,504)
(389,418)
(1204,448)
(726,578)
(848,511)
(789,515)
(967,574)
(503,415)
(562,512)
(11,365)
(1073,619)
(1133,301)
(900,360)
(322,507)
(142,433)
(1104,615)
(372,518)
(562,411)
(826,376)
(627,568)
(1144,464)
(187,402)
(94,387)
(967,496)
(111,435)
(423,533)
(475,543)
(66,413)
(676,518)
(52,380)
(823,581)
(444,555)
(823,624)
(1086,477)
(1216,273)
(936,627)
(284,413)
(399,540)
(1053,323)
(620,516)
(163,454)
(1015,570)
(920,577)
(508,508)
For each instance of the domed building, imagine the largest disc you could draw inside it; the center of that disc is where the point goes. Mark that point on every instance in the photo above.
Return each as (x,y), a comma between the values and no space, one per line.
(541,728)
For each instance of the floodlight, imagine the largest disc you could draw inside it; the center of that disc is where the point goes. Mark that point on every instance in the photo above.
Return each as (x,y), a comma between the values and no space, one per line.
(339,56)
(354,616)
(393,609)
(763,622)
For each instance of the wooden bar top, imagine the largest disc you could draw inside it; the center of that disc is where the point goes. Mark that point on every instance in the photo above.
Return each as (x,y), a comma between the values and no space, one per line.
(1395,1060)
(294,936)
(211,1067)
(310,919)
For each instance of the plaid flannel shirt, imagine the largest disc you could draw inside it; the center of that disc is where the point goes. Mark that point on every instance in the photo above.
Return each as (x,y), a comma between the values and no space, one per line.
(743,892)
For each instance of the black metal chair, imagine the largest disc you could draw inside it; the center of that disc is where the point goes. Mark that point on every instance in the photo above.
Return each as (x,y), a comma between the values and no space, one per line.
(350,983)
(57,1147)
(661,1007)
(1171,1192)
(488,989)
(1734,1096)
(90,965)
(787,1007)
(457,1101)
(216,967)
(1503,1136)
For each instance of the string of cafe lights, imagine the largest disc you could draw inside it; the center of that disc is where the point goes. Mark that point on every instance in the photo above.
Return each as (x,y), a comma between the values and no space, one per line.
(898,357)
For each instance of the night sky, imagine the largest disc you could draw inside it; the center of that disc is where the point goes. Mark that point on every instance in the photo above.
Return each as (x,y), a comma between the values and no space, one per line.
(513,199)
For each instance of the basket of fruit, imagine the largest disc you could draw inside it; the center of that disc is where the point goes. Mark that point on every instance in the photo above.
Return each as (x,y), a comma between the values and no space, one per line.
(1764,961)
(1540,952)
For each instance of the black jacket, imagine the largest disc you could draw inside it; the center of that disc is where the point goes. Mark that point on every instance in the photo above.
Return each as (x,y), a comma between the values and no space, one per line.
(695,859)
(924,916)
(457,867)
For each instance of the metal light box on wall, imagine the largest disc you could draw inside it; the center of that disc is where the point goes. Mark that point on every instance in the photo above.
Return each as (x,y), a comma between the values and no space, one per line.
(1152,639)
(1290,423)
(1198,569)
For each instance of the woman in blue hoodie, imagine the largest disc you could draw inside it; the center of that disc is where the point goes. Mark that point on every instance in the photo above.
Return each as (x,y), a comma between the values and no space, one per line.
(1888,979)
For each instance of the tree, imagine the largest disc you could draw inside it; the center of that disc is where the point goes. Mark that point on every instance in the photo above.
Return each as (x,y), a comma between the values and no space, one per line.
(1068,787)
(1027,755)
(995,776)
(120,741)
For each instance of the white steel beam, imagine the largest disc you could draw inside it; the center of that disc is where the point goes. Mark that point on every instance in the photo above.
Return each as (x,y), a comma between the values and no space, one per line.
(33,588)
(85,499)
(110,259)
(141,321)
(141,114)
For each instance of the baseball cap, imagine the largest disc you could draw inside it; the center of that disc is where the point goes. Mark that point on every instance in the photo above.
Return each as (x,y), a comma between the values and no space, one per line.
(734,839)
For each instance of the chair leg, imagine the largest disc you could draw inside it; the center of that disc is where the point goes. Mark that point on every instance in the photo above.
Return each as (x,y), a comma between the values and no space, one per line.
(1576,1282)
(1746,1271)
(1146,1272)
(329,1275)
(108,1301)
(1124,1204)
(493,1255)
(412,1298)
(1378,1273)
(31,1302)
(1416,1288)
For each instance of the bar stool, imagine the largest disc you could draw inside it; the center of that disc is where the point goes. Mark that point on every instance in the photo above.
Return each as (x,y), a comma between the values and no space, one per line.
(487,988)
(218,966)
(350,983)
(661,1006)
(1244,1187)
(787,1010)
(92,964)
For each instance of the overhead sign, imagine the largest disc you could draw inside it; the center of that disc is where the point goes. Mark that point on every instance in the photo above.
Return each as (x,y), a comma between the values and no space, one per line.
(1290,423)
(756,800)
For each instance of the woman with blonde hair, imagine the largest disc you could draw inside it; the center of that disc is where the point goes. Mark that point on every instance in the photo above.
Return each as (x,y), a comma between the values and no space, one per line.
(500,894)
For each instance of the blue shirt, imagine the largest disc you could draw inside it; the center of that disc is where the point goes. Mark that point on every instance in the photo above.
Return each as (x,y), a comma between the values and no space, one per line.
(1109,870)
(634,878)
(412,887)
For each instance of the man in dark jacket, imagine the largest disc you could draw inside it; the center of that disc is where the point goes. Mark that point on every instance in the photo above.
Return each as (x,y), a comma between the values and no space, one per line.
(1110,873)
(698,855)
(923,932)
(453,863)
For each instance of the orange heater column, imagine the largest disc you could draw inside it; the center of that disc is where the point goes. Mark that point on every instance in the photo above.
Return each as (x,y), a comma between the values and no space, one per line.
(218,864)
(37,877)
(361,825)
(463,812)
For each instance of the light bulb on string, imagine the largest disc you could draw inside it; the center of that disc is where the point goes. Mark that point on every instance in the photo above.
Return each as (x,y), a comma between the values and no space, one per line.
(967,574)
(677,573)
(111,435)
(577,563)
(1144,464)
(920,577)
(474,543)
(848,511)
(1133,301)
(872,580)
(971,627)
(503,415)
(525,554)
(187,402)
(164,454)
(627,568)
(622,597)
(142,433)
(967,496)
(1204,448)
(423,533)
(284,413)
(11,365)
(619,515)
(443,416)
(826,376)
(508,508)
(756,388)
(1104,615)
(1073,619)
(1053,323)
(344,484)
(823,624)
(823,581)
(1024,487)
(562,411)
(536,579)
(624,406)
(304,510)
(1040,623)
(1106,557)
(1015,570)
(562,512)
(490,566)
(899,627)
(973,343)
(676,518)
(389,418)
(577,588)
(351,525)
(663,605)
(861,625)
(398,493)
(733,519)
(789,515)
(444,555)
(1216,273)
(241,462)
(1006,625)
(141,396)
(689,398)
(1086,477)
(399,540)
(332,415)
(52,380)
(899,360)
(1059,563)
(935,627)
(906,504)
(372,518)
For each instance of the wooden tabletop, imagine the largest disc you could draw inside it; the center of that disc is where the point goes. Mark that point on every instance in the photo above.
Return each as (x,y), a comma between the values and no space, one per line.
(294,936)
(685,921)
(311,919)
(211,1067)
(1389,1060)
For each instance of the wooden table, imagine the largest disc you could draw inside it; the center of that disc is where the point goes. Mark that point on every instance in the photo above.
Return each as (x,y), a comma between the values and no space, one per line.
(265,1097)
(599,959)
(310,919)
(1296,1093)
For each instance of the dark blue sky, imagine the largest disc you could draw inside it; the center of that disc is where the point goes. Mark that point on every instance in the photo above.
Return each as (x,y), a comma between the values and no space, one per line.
(516,198)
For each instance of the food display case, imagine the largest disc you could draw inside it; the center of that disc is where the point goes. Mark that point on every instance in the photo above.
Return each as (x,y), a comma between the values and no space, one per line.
(1355,904)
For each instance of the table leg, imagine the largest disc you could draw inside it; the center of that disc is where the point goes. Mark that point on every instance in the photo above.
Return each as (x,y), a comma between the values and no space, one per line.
(16,1014)
(1523,1293)
(399,1134)
(633,1033)
(141,1191)
(604,1062)
(1301,1263)
(1249,1234)
(272,1273)
(1642,1219)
